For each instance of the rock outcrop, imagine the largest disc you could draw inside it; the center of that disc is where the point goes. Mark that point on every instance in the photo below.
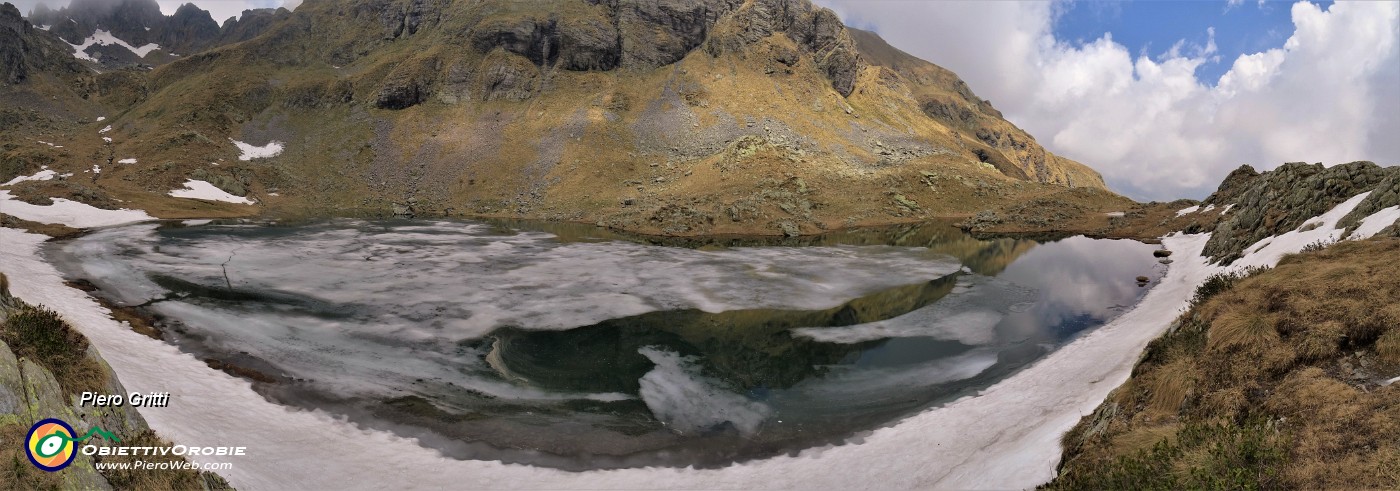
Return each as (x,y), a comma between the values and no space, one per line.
(1280,200)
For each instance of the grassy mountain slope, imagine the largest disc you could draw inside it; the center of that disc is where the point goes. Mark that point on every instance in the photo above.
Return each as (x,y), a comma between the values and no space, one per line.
(1277,380)
(720,116)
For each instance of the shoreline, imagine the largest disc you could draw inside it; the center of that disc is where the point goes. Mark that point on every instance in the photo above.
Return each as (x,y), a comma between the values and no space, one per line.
(133,356)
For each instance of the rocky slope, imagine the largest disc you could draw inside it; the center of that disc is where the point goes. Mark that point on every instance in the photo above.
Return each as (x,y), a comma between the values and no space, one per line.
(1247,207)
(674,117)
(1270,203)
(25,52)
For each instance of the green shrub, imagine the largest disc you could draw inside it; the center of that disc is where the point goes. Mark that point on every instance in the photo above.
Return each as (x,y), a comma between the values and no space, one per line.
(40,335)
(1220,282)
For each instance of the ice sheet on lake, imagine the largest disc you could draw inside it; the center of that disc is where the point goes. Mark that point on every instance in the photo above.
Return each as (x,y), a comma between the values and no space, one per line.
(964,443)
(1006,437)
(690,403)
(527,280)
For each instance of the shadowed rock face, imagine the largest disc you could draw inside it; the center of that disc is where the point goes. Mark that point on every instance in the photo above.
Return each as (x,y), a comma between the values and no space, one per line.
(648,34)
(12,27)
(188,30)
(1232,186)
(1280,200)
(25,50)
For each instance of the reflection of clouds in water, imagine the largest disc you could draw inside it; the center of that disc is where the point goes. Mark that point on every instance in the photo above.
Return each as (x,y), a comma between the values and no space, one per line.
(969,315)
(849,388)
(1080,277)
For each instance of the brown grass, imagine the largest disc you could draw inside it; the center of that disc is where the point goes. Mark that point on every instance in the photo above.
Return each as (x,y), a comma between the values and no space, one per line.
(1242,329)
(157,479)
(1388,347)
(16,472)
(1285,365)
(1170,386)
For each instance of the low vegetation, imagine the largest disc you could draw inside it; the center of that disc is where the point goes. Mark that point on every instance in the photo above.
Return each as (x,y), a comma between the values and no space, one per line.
(1274,379)
(40,335)
(157,479)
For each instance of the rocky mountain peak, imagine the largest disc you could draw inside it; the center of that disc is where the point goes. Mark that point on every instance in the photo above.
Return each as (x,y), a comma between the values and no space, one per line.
(122,33)
(25,50)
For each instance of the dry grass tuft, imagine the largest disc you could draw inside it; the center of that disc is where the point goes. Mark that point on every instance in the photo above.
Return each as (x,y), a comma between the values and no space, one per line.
(1226,404)
(1388,347)
(1322,341)
(40,335)
(1248,330)
(1170,386)
(15,470)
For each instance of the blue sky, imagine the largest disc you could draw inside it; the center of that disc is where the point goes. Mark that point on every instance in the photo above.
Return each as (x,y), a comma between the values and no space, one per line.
(1107,84)
(1153,27)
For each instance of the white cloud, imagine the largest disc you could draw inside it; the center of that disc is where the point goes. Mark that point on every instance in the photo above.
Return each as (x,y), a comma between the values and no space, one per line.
(1155,130)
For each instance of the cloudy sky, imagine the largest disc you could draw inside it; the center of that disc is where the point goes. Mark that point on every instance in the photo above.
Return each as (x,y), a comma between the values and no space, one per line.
(1165,98)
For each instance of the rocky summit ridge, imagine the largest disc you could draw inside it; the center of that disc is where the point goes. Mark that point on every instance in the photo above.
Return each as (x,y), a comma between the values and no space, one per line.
(140,24)
(662,116)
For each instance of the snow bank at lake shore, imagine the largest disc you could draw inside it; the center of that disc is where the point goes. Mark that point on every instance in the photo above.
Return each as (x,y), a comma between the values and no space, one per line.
(69,213)
(1005,437)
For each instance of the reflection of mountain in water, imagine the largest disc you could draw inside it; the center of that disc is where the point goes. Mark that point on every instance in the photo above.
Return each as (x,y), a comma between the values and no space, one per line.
(749,349)
(983,256)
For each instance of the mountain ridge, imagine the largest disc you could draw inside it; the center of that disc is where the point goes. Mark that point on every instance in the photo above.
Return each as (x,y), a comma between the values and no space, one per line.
(723,116)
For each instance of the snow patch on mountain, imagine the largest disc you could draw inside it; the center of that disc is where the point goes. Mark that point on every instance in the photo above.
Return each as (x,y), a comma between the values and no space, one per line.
(105,38)
(196,189)
(42,175)
(248,151)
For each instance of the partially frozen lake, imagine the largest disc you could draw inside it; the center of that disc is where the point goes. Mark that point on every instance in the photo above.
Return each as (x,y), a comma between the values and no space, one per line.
(571,347)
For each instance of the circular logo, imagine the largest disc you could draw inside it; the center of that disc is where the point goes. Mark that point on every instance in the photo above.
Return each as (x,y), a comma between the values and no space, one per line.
(50,445)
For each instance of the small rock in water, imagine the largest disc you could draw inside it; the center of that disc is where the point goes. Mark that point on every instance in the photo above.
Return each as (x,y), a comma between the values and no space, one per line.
(1143,279)
(1161,253)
